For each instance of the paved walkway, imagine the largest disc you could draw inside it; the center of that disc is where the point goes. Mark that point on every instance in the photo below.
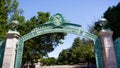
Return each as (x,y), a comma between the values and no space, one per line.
(63,66)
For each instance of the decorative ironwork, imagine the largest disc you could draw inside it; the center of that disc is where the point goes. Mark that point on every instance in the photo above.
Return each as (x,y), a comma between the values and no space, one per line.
(56,24)
(98,53)
(117,50)
(14,23)
(2,47)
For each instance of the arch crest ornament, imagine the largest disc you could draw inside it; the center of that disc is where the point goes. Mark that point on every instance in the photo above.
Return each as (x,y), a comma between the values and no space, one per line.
(57,19)
(57,23)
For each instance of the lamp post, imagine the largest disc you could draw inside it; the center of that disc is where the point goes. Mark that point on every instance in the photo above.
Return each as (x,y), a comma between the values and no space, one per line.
(109,58)
(14,23)
(103,23)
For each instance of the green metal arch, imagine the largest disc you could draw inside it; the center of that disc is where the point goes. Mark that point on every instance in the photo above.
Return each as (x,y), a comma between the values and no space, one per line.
(59,25)
(50,28)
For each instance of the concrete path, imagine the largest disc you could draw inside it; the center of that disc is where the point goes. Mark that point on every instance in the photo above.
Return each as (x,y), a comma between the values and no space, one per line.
(64,66)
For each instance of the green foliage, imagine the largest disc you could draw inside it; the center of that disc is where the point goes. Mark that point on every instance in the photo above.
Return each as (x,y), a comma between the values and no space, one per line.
(34,48)
(3,12)
(113,16)
(48,61)
(76,42)
(64,57)
(43,17)
(7,7)
(80,52)
(39,46)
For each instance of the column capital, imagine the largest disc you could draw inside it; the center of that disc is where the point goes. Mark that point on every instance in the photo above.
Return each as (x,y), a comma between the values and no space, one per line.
(13,34)
(105,33)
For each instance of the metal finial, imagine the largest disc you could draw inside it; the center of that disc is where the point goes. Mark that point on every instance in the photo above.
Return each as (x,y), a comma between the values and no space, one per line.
(103,22)
(14,23)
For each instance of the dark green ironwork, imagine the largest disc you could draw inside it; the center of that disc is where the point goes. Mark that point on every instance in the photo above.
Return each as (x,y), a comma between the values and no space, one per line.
(2,47)
(14,24)
(56,24)
(117,51)
(98,53)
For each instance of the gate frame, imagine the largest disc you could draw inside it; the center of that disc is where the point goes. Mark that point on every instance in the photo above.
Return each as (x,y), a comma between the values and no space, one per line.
(57,23)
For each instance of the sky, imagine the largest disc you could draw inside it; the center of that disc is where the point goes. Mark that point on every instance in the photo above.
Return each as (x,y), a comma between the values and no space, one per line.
(82,12)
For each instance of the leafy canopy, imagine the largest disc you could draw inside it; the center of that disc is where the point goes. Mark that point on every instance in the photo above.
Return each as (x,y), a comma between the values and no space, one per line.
(112,14)
(80,52)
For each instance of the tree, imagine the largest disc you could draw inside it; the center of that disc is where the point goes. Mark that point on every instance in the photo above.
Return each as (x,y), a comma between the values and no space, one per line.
(6,8)
(64,57)
(112,14)
(48,61)
(76,42)
(39,46)
(83,51)
(80,52)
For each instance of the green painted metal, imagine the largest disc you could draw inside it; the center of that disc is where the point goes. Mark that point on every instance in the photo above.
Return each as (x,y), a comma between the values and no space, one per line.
(98,53)
(2,47)
(56,24)
(117,51)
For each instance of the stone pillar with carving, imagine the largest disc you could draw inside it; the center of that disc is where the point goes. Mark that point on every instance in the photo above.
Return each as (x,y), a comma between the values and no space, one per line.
(11,45)
(109,57)
(10,49)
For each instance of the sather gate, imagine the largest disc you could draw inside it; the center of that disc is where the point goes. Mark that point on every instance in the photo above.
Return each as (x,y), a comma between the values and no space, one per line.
(57,23)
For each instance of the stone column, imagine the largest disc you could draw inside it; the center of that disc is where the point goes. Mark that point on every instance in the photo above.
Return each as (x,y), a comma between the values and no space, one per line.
(10,49)
(108,49)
